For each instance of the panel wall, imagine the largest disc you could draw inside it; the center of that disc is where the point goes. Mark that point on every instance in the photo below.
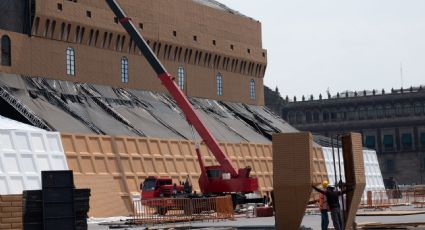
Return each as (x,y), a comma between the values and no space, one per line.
(23,155)
(374,179)
(127,161)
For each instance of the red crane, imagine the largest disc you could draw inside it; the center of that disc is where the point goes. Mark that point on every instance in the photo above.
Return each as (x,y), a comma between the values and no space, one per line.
(223,178)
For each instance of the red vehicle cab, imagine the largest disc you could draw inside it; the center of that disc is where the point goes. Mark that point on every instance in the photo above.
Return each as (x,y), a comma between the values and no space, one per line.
(155,187)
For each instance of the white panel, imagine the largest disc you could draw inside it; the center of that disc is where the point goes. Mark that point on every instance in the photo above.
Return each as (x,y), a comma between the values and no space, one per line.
(24,154)
(33,183)
(9,124)
(28,164)
(24,142)
(331,167)
(374,180)
(5,140)
(3,185)
(58,162)
(11,163)
(1,166)
(18,184)
(43,163)
(54,143)
(38,142)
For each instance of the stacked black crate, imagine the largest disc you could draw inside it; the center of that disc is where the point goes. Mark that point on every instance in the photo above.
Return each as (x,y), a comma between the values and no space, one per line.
(81,206)
(58,200)
(32,215)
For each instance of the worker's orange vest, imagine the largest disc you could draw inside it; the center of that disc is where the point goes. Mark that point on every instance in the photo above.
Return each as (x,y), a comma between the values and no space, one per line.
(323,203)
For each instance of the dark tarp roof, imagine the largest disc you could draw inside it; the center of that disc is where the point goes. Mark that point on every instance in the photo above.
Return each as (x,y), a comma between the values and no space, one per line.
(88,108)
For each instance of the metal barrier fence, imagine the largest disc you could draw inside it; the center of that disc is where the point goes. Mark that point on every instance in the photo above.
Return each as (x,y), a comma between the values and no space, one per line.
(419,197)
(388,198)
(172,210)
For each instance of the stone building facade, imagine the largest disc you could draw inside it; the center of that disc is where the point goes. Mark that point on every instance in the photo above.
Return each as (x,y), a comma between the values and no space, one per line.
(213,51)
(392,123)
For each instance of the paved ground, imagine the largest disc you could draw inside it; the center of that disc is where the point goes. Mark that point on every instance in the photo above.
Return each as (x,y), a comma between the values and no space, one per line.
(311,221)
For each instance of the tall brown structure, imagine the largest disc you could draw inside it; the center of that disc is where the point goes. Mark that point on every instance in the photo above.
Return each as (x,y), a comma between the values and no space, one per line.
(392,123)
(354,175)
(298,163)
(208,47)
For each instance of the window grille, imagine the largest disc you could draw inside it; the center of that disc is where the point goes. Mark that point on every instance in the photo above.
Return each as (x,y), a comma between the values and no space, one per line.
(70,61)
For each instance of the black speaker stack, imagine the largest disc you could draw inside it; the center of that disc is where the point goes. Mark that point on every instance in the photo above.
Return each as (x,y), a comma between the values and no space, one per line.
(58,205)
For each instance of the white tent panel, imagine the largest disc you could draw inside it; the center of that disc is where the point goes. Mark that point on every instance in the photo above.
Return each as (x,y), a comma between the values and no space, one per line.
(331,167)
(374,180)
(24,154)
(6,123)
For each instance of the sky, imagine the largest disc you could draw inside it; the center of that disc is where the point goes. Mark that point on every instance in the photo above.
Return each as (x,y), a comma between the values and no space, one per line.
(319,45)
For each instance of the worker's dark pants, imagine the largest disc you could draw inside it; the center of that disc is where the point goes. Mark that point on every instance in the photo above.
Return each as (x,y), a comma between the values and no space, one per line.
(337,218)
(325,219)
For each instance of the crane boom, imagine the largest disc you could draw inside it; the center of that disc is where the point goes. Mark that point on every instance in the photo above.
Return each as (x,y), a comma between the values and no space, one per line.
(191,115)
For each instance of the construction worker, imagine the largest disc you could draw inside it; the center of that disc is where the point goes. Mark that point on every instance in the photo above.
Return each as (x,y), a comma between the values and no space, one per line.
(323,207)
(332,198)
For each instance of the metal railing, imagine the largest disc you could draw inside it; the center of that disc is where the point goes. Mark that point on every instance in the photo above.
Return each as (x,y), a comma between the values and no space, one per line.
(389,198)
(173,210)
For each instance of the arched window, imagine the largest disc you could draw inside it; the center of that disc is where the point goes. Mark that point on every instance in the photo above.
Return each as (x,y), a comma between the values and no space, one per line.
(352,113)
(389,111)
(371,113)
(124,70)
(342,114)
(407,110)
(325,115)
(181,77)
(308,117)
(6,54)
(219,79)
(299,117)
(380,112)
(362,113)
(334,115)
(252,89)
(316,116)
(419,108)
(399,110)
(291,117)
(70,61)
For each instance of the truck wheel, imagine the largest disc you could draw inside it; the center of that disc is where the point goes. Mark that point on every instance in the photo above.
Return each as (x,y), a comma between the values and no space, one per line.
(161,211)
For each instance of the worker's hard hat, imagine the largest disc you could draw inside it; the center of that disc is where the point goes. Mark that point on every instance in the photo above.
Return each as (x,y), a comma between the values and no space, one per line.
(325,184)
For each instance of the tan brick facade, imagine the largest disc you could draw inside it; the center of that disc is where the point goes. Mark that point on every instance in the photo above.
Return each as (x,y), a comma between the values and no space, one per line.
(298,164)
(11,212)
(225,43)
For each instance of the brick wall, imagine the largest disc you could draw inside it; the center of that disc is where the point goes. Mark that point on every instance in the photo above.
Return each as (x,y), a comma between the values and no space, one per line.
(11,212)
